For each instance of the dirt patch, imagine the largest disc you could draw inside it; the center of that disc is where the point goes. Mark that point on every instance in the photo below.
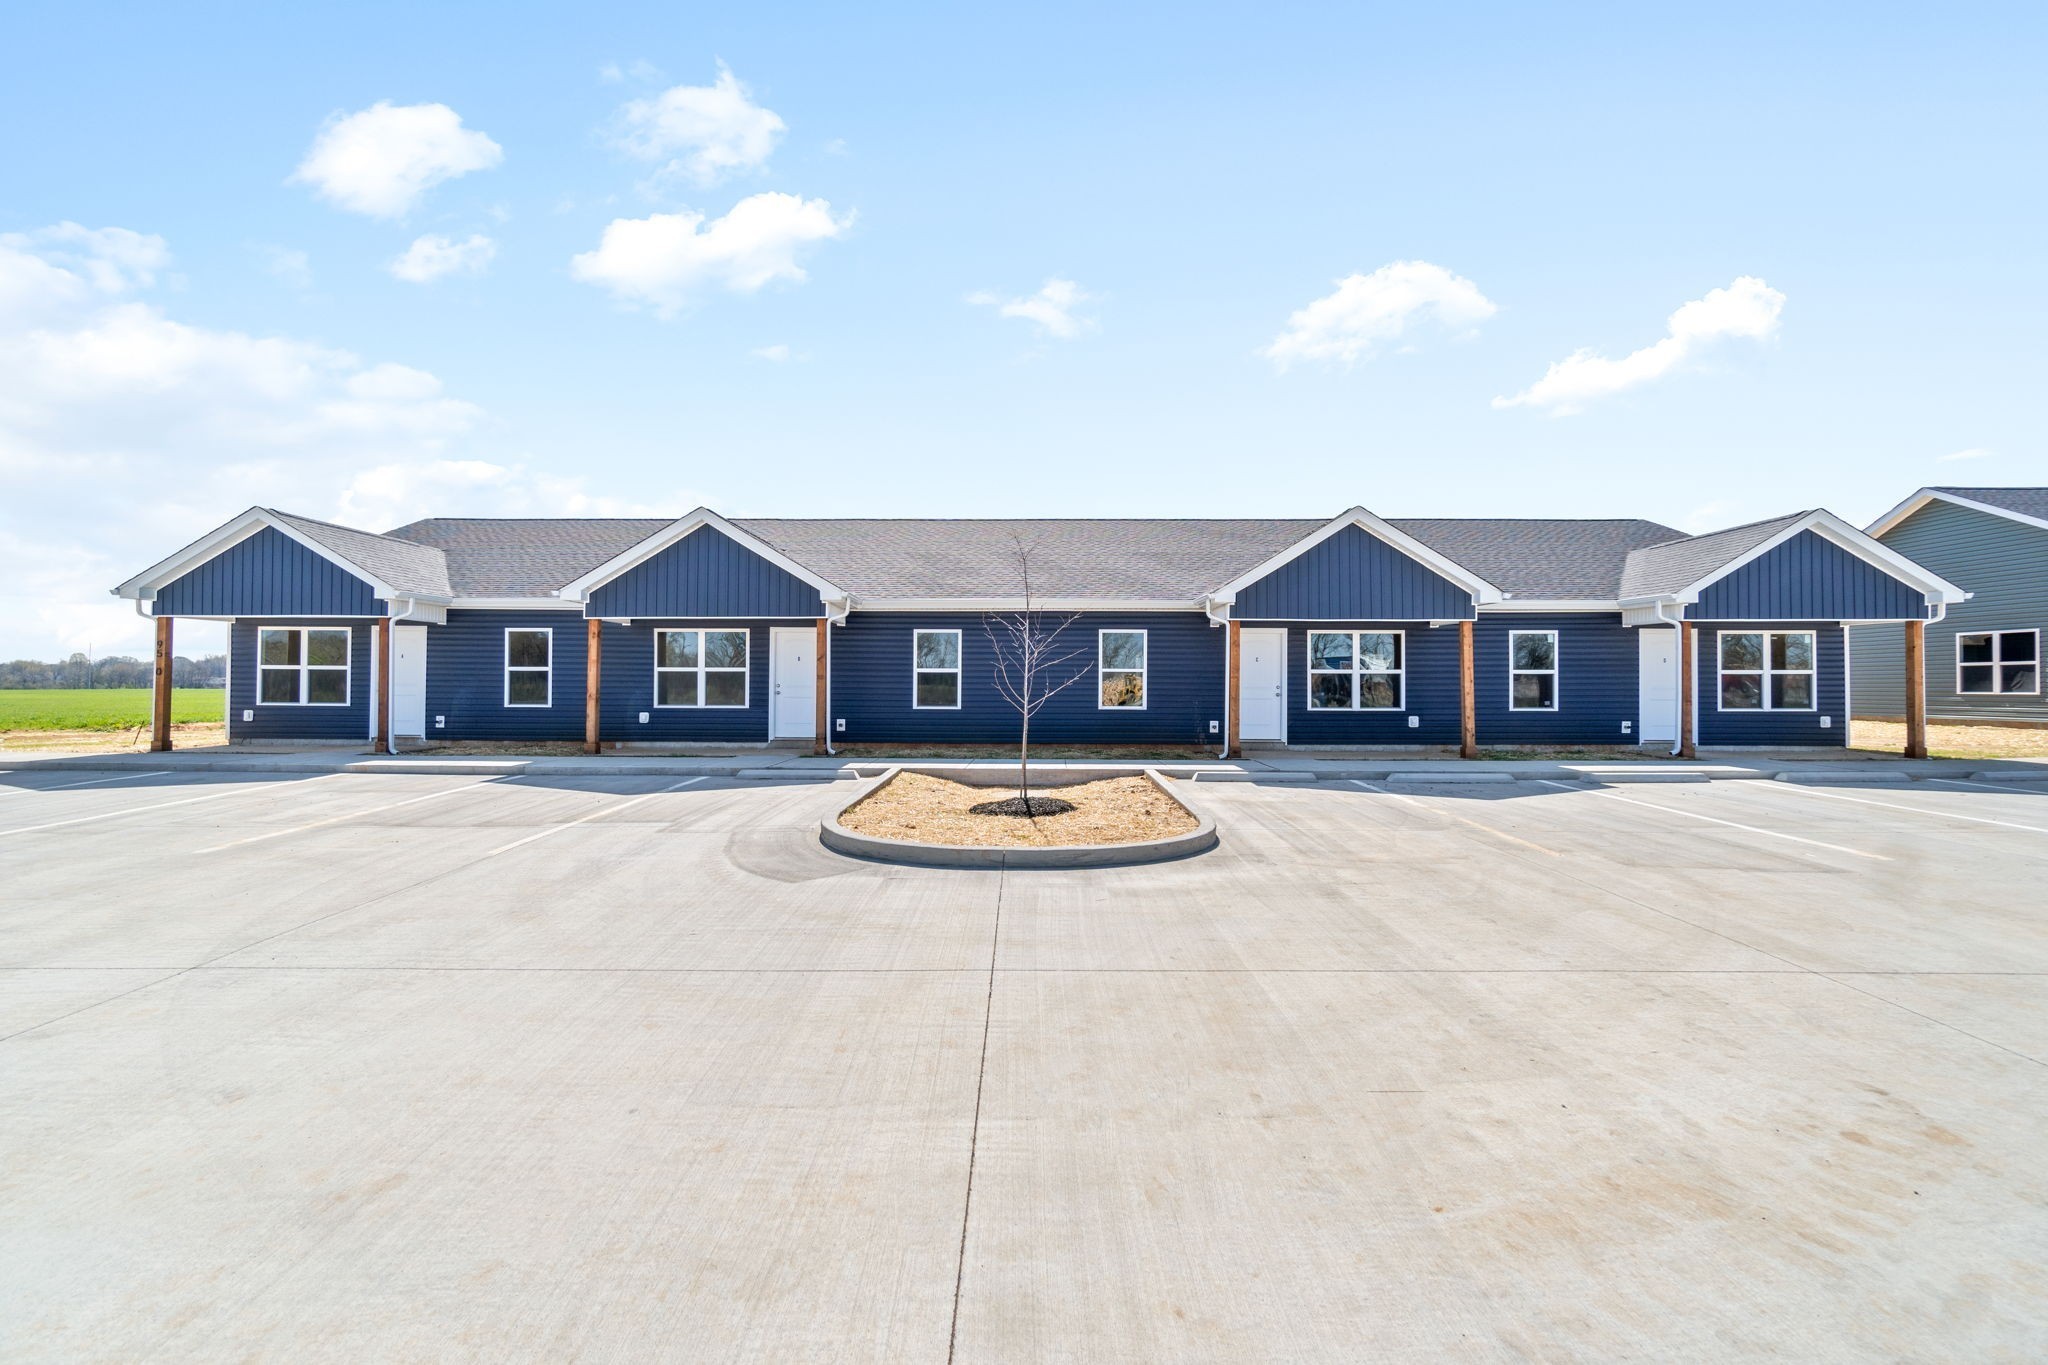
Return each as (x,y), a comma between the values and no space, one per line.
(1953,741)
(132,740)
(930,810)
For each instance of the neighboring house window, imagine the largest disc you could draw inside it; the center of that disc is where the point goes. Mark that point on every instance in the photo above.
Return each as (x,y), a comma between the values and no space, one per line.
(1121,659)
(302,667)
(700,668)
(529,667)
(1999,661)
(1532,670)
(1767,670)
(935,665)
(1355,671)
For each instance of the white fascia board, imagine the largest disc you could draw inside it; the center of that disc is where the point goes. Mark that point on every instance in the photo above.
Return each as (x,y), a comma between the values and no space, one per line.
(1830,527)
(1898,514)
(580,589)
(1927,495)
(513,604)
(1018,604)
(143,586)
(1481,590)
(1553,604)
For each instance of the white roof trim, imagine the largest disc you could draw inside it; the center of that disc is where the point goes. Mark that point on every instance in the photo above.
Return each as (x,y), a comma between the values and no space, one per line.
(1018,604)
(579,589)
(1481,590)
(1927,495)
(1830,527)
(143,587)
(1557,604)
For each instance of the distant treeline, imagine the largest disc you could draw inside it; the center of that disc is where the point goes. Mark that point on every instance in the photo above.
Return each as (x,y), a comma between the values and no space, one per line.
(117,670)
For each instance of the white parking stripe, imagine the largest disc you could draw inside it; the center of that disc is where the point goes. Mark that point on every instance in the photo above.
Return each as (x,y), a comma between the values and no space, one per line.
(2023,789)
(92,782)
(581,819)
(351,815)
(1717,820)
(1453,815)
(1916,810)
(139,810)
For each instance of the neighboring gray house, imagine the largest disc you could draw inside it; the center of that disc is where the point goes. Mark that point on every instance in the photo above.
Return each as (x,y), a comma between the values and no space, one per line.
(1984,657)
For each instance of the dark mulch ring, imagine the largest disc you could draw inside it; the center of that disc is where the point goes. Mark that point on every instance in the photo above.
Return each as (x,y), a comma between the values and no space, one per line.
(1024,807)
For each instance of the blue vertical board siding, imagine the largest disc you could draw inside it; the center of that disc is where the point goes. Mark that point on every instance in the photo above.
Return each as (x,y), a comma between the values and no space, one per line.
(626,688)
(1353,576)
(299,722)
(466,677)
(1775,728)
(268,574)
(1808,578)
(706,574)
(1598,663)
(871,683)
(1429,691)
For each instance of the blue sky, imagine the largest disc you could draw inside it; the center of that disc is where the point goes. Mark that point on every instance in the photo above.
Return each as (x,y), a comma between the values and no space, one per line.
(821,288)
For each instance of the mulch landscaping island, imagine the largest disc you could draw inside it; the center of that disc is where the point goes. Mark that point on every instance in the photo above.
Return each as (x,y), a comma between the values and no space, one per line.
(919,808)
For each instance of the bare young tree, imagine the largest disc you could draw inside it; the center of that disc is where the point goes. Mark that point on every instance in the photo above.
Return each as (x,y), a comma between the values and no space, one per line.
(1032,666)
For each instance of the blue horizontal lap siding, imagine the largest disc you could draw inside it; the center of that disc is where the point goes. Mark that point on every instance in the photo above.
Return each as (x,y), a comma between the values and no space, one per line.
(871,683)
(1808,578)
(1353,576)
(627,687)
(1429,691)
(706,574)
(299,722)
(267,574)
(466,677)
(1598,682)
(1774,728)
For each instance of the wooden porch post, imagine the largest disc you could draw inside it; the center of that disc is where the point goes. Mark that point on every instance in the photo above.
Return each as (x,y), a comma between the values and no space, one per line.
(1468,697)
(1688,684)
(824,702)
(383,744)
(593,668)
(1916,689)
(1231,696)
(160,691)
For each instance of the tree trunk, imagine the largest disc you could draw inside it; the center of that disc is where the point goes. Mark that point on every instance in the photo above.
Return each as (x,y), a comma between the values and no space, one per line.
(1024,764)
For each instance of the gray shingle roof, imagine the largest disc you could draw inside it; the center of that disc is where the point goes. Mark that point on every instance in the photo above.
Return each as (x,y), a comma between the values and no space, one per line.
(403,566)
(524,556)
(1538,558)
(1680,563)
(2028,502)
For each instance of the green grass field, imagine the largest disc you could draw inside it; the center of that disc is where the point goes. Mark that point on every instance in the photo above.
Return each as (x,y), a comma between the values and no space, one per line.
(114,708)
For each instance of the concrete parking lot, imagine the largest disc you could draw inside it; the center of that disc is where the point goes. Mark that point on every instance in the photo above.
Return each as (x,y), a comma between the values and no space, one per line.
(430,1067)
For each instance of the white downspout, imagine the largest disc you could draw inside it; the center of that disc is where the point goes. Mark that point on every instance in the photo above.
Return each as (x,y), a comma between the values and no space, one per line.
(1209,609)
(834,616)
(1678,671)
(412,604)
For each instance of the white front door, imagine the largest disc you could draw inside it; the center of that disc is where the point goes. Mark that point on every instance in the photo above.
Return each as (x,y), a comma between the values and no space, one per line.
(793,682)
(1262,685)
(409,680)
(1657,705)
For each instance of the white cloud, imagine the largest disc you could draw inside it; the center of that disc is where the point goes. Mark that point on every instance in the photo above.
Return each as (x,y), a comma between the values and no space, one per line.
(665,259)
(1368,312)
(125,433)
(702,133)
(777,353)
(1748,308)
(1973,453)
(380,160)
(1051,309)
(288,264)
(432,256)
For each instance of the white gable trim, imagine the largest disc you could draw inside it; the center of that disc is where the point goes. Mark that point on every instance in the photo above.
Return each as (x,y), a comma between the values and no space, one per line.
(579,589)
(1927,495)
(1481,590)
(1833,529)
(143,587)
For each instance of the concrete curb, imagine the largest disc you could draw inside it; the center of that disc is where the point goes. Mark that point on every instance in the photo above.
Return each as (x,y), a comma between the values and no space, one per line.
(853,844)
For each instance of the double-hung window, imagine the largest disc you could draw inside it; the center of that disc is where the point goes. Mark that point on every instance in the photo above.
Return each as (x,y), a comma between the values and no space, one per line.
(1355,670)
(302,667)
(1767,670)
(935,670)
(529,667)
(1120,657)
(1532,670)
(700,668)
(1999,661)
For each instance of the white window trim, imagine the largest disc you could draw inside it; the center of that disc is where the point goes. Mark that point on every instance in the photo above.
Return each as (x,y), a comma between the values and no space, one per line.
(1144,671)
(958,670)
(348,669)
(1765,672)
(1997,664)
(1555,671)
(1354,672)
(508,669)
(746,671)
